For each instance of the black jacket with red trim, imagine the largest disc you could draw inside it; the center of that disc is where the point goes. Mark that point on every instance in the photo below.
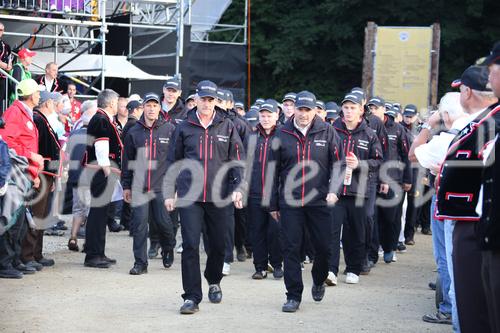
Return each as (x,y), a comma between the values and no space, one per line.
(459,180)
(261,152)
(292,152)
(148,148)
(48,145)
(58,85)
(364,143)
(102,128)
(177,114)
(398,149)
(242,127)
(378,127)
(212,148)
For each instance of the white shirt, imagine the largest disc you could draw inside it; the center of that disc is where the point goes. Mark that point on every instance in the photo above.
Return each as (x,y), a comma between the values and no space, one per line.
(211,120)
(48,83)
(302,130)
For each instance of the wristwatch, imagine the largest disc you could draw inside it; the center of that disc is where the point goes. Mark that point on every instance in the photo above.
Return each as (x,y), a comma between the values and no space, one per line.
(426,126)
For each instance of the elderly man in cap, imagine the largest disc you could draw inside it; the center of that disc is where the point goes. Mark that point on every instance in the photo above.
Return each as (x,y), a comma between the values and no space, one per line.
(49,148)
(488,227)
(303,144)
(363,157)
(458,192)
(20,134)
(146,145)
(264,230)
(20,70)
(172,107)
(206,141)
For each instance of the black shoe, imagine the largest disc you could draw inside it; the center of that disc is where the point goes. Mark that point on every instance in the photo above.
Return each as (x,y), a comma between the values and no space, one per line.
(214,293)
(290,306)
(409,242)
(34,264)
(138,270)
(426,231)
(60,225)
(437,318)
(153,250)
(10,273)
(371,264)
(241,255)
(401,247)
(249,254)
(46,262)
(96,263)
(111,261)
(115,227)
(168,258)
(259,275)
(365,270)
(189,307)
(318,292)
(26,270)
(278,272)
(432,285)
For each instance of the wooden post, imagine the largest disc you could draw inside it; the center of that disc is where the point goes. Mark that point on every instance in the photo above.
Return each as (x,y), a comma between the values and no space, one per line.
(368,57)
(436,37)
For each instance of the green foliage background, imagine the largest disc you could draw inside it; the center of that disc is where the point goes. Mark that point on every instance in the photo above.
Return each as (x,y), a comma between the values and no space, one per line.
(318,44)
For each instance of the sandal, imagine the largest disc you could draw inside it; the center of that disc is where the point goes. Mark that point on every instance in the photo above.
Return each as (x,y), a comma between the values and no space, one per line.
(73,245)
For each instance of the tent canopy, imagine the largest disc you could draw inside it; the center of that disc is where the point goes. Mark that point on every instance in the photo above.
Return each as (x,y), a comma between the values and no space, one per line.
(91,64)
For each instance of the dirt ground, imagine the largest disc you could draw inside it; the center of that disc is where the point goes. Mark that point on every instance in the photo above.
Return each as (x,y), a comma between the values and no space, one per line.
(72,298)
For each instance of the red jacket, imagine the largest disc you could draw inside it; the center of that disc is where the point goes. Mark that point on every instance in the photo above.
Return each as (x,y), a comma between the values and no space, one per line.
(21,134)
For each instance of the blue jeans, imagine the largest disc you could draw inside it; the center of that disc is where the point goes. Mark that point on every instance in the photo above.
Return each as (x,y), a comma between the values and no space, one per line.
(449,226)
(438,243)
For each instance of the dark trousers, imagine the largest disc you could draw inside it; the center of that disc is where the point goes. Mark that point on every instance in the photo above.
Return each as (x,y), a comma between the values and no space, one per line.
(95,230)
(154,237)
(192,219)
(333,262)
(153,212)
(241,237)
(371,226)
(469,292)
(265,237)
(33,242)
(229,236)
(411,216)
(307,247)
(424,216)
(11,242)
(3,95)
(490,272)
(126,215)
(388,224)
(318,220)
(354,223)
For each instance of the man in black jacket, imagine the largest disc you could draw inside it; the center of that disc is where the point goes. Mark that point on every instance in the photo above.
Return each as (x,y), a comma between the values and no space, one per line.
(202,148)
(146,145)
(363,157)
(172,107)
(103,157)
(264,230)
(307,159)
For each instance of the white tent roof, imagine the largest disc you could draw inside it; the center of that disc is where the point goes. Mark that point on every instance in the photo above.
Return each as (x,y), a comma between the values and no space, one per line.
(91,64)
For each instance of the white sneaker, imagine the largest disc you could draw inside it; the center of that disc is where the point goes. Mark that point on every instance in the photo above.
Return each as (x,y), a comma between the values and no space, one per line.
(351,278)
(380,252)
(179,249)
(307,260)
(226,270)
(394,258)
(331,280)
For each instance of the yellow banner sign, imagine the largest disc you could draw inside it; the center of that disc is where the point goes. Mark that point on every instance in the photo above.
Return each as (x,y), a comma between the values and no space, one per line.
(402,66)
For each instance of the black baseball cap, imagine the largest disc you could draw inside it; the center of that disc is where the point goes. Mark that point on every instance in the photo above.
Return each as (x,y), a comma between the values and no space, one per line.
(150,97)
(332,110)
(252,116)
(259,101)
(320,105)
(173,83)
(305,99)
(474,77)
(269,105)
(358,90)
(132,105)
(291,96)
(206,88)
(353,97)
(377,101)
(239,105)
(388,106)
(494,57)
(192,96)
(410,110)
(392,111)
(229,96)
(221,94)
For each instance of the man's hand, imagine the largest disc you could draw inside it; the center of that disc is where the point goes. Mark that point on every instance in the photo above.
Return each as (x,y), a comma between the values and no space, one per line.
(237,198)
(38,159)
(384,188)
(331,199)
(406,187)
(106,170)
(36,182)
(352,161)
(434,120)
(170,204)
(275,215)
(127,196)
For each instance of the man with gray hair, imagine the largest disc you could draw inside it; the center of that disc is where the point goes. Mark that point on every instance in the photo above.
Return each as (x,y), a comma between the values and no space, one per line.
(103,157)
